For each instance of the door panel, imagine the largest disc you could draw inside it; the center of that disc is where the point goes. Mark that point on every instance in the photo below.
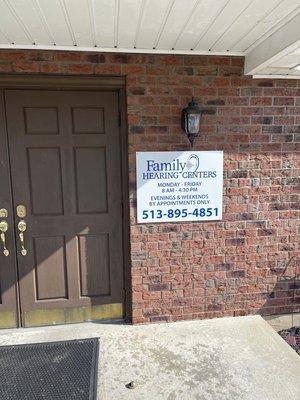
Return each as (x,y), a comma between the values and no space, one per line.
(90,167)
(8,288)
(50,255)
(94,261)
(45,182)
(65,166)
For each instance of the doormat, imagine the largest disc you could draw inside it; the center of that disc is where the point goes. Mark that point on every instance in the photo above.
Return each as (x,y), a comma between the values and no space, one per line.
(64,370)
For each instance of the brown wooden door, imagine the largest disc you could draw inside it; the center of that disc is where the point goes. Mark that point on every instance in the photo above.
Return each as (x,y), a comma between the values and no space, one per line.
(8,271)
(65,169)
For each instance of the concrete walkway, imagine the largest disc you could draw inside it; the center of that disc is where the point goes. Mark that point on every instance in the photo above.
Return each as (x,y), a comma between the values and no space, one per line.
(223,359)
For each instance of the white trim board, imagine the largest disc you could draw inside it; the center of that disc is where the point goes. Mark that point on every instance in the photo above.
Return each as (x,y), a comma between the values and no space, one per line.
(120,50)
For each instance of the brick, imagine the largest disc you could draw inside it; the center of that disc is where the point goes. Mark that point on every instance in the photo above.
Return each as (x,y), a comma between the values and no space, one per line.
(5,66)
(68,56)
(104,69)
(264,83)
(156,129)
(284,101)
(80,69)
(261,101)
(95,58)
(235,242)
(169,60)
(195,60)
(51,68)
(267,120)
(215,102)
(133,69)
(155,70)
(137,90)
(162,318)
(220,81)
(14,55)
(266,232)
(25,66)
(252,91)
(237,61)
(230,71)
(159,287)
(240,81)
(212,60)
(238,174)
(206,70)
(137,129)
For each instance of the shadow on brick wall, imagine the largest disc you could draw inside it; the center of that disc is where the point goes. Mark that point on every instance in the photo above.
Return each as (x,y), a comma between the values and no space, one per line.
(285,296)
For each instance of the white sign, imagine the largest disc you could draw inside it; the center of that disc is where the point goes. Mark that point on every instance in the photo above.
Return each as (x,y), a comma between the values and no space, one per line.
(179,186)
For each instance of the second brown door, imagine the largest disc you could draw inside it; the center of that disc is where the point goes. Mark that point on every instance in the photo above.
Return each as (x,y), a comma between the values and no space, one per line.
(65,170)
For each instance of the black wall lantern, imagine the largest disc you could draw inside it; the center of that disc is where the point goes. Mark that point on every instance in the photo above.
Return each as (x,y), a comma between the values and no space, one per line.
(190,120)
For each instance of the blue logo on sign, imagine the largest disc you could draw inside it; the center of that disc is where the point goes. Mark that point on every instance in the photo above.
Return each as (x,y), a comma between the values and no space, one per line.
(193,163)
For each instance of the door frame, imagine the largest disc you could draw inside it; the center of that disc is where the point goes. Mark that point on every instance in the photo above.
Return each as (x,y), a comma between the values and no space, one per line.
(98,84)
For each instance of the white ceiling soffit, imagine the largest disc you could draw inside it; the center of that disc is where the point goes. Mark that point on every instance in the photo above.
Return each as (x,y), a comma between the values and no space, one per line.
(265,31)
(278,53)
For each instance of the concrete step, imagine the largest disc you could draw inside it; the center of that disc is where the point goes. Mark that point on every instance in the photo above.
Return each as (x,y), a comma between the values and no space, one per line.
(239,358)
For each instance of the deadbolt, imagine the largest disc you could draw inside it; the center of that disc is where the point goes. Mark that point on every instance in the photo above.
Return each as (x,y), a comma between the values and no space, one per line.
(3,213)
(21,211)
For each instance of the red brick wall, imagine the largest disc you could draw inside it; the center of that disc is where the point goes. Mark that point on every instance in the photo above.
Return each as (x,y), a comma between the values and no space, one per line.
(243,264)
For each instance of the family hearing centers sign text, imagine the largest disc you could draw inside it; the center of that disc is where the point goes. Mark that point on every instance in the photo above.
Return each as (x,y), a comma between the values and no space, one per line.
(179,186)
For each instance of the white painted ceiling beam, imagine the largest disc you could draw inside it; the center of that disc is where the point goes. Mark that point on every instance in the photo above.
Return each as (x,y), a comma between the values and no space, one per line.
(279,44)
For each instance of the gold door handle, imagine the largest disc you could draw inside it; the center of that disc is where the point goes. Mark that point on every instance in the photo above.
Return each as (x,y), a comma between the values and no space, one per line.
(22,228)
(3,229)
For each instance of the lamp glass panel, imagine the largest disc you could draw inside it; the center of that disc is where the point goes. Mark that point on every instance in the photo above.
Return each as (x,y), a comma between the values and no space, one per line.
(193,123)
